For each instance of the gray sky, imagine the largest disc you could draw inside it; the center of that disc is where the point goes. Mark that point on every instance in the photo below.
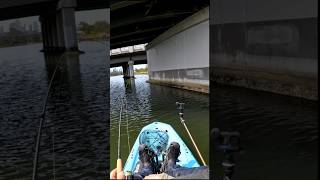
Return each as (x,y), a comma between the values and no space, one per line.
(90,17)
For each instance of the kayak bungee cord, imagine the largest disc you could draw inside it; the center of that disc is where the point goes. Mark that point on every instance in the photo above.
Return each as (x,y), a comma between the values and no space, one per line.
(43,113)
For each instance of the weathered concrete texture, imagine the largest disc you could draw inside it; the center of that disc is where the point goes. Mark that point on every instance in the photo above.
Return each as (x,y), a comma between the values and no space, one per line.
(58,28)
(180,56)
(128,71)
(196,79)
(275,52)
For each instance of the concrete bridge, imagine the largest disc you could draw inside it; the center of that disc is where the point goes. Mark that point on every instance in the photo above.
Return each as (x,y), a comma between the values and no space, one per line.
(177,33)
(258,44)
(57,19)
(127,60)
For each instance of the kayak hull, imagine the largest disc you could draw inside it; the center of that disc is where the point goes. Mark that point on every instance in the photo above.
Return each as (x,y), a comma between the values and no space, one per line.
(186,158)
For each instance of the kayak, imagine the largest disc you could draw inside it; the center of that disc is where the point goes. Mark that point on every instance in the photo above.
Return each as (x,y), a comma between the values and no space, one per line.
(158,137)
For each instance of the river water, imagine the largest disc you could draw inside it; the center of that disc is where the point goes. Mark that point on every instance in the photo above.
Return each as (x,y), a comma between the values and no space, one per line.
(279,134)
(147,103)
(75,136)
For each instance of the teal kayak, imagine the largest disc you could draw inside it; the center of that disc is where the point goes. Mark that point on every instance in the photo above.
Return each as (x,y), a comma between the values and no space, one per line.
(158,137)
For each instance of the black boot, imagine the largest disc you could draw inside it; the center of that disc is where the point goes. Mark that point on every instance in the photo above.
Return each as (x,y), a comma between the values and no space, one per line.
(173,153)
(146,157)
(176,171)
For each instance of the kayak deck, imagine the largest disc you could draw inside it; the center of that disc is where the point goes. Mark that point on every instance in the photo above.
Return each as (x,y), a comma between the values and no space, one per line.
(168,134)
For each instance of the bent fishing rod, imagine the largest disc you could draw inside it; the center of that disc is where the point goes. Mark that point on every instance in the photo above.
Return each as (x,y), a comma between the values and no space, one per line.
(42,120)
(180,107)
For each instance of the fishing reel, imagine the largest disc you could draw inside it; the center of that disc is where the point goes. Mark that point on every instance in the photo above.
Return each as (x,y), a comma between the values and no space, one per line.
(228,143)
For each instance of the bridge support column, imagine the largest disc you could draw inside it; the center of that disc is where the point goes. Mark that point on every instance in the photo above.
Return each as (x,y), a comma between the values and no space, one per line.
(128,71)
(67,28)
(49,33)
(44,30)
(59,28)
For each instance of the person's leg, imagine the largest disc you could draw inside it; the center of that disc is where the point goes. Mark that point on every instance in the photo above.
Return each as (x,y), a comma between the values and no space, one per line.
(172,169)
(146,161)
(173,153)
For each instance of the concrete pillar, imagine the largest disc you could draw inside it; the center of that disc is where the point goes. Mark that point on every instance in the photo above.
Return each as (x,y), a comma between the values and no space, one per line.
(46,33)
(43,31)
(67,23)
(49,33)
(130,69)
(53,33)
(60,36)
(127,70)
(59,31)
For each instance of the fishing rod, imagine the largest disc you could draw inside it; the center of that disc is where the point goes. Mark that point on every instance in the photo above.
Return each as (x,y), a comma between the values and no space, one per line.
(119,161)
(42,120)
(180,107)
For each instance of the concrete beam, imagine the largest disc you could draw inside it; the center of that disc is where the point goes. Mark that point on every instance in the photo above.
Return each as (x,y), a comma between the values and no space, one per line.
(123,4)
(66,4)
(139,31)
(126,59)
(197,18)
(131,42)
(134,20)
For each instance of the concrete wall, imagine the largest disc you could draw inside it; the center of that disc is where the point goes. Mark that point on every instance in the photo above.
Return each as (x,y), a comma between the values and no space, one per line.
(268,45)
(182,59)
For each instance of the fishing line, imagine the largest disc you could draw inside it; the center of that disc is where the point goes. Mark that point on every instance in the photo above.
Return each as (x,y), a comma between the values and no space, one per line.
(119,129)
(120,118)
(53,127)
(42,120)
(128,126)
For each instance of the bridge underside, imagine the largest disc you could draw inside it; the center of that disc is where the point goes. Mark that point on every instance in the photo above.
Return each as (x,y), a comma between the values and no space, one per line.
(140,21)
(144,21)
(10,9)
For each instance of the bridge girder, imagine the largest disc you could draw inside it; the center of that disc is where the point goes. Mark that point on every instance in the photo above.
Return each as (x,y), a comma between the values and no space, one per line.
(140,21)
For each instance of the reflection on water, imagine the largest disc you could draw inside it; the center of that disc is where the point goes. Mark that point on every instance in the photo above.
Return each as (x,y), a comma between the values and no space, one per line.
(278,133)
(147,103)
(74,137)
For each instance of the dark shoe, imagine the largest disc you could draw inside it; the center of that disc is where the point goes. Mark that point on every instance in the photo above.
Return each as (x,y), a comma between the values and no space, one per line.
(173,152)
(146,157)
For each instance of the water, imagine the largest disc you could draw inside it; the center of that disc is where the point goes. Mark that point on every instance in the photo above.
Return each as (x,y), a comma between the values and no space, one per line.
(147,103)
(75,135)
(279,134)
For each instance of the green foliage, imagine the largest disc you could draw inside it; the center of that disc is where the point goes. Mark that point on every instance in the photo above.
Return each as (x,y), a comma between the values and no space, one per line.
(142,70)
(97,27)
